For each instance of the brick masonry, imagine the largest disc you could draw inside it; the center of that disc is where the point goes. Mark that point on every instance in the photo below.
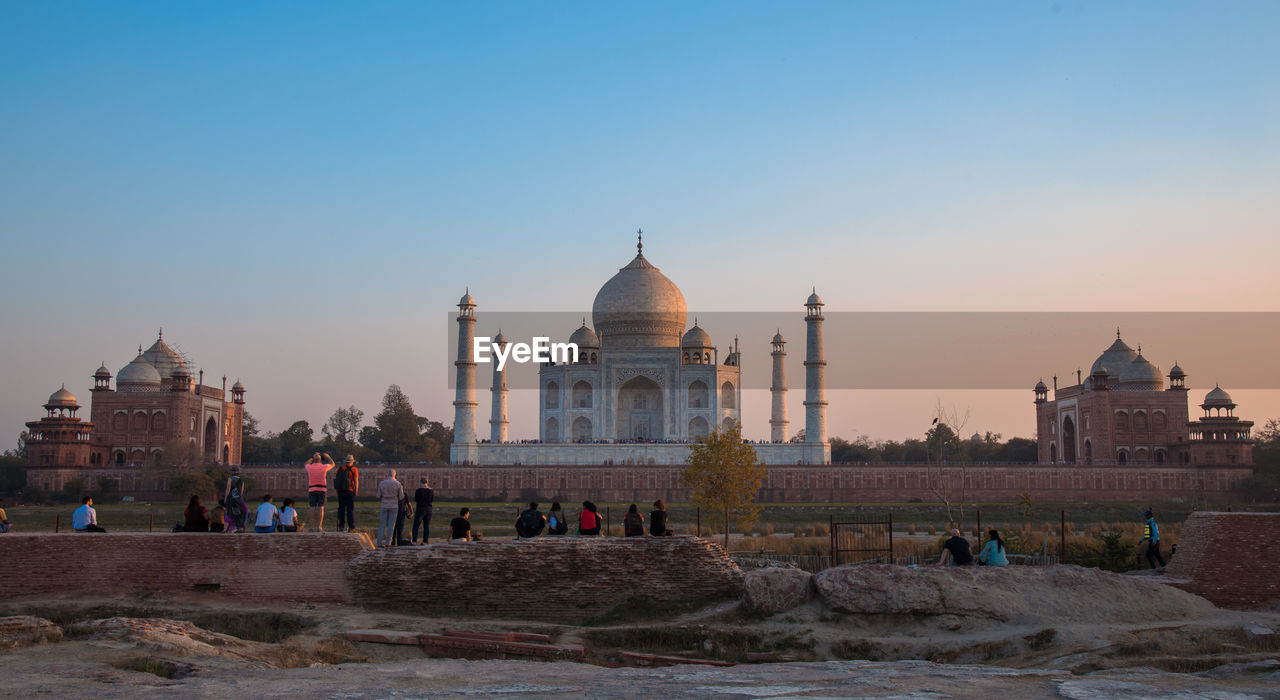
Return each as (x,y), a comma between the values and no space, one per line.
(565,579)
(1232,559)
(277,567)
(794,484)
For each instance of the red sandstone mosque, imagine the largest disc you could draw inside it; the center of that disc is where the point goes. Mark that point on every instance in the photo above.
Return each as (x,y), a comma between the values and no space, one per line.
(1123,413)
(155,403)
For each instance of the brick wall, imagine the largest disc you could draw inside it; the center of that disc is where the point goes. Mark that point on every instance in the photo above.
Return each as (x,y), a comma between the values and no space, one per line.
(1232,559)
(540,578)
(797,484)
(279,567)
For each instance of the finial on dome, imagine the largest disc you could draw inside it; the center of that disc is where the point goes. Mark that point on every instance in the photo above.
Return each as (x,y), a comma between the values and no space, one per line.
(161,334)
(584,321)
(1139,348)
(640,241)
(1117,332)
(139,348)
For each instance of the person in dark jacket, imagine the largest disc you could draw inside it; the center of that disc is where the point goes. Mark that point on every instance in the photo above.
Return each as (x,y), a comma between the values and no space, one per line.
(633,522)
(658,520)
(957,548)
(423,498)
(195,517)
(531,522)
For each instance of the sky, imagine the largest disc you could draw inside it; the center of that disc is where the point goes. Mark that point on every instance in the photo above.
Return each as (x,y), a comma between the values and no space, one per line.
(299,192)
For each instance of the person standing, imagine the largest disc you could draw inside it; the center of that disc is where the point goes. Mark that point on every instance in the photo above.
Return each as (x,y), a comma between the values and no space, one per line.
(317,476)
(390,493)
(1151,535)
(957,548)
(85,518)
(423,500)
(405,510)
(4,519)
(233,501)
(346,481)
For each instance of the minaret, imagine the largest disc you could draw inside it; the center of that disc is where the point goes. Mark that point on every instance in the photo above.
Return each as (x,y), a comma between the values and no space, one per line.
(464,404)
(498,421)
(778,422)
(815,397)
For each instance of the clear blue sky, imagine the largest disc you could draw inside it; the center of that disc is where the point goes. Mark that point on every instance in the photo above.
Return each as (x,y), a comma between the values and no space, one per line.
(298,191)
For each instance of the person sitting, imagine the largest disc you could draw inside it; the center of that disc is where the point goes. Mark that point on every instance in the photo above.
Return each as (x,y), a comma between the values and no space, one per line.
(217,518)
(530,522)
(957,548)
(588,520)
(195,517)
(993,553)
(556,523)
(633,522)
(288,516)
(4,519)
(658,520)
(85,518)
(268,516)
(460,527)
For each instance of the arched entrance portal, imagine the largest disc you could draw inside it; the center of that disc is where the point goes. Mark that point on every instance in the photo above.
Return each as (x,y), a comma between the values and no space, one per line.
(1068,440)
(211,439)
(639,414)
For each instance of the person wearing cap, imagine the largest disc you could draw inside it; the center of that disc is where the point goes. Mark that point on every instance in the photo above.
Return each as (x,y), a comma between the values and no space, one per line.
(346,481)
(1151,535)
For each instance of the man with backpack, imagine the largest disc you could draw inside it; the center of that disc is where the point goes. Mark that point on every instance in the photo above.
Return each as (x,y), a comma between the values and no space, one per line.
(531,522)
(346,481)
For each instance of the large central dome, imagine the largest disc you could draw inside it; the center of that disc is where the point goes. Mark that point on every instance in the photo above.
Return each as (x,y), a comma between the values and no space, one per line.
(639,307)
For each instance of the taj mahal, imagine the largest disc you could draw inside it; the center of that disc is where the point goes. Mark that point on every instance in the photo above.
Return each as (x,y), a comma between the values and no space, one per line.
(645,386)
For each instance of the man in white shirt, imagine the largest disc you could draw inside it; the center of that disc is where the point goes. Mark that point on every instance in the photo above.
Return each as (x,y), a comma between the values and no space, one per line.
(268,516)
(390,493)
(85,518)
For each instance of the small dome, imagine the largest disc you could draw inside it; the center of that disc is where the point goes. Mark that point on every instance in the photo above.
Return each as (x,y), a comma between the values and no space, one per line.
(1218,397)
(467,299)
(1040,386)
(62,399)
(102,372)
(585,337)
(777,337)
(1177,372)
(237,386)
(696,338)
(499,339)
(814,299)
(138,374)
(1114,358)
(180,371)
(1141,375)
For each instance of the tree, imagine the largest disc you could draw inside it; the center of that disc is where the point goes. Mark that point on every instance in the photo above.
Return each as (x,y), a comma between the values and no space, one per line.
(436,439)
(398,436)
(13,473)
(256,448)
(297,442)
(182,456)
(342,430)
(725,475)
(1264,485)
(201,483)
(108,490)
(943,441)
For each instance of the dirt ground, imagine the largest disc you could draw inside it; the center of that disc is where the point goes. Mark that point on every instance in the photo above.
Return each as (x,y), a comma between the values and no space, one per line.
(204,649)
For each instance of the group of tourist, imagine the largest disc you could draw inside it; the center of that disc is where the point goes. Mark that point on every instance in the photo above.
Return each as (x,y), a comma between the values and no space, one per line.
(590,523)
(957,552)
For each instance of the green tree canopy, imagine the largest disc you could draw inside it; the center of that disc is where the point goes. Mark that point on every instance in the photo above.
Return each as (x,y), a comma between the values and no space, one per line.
(397,424)
(725,475)
(297,442)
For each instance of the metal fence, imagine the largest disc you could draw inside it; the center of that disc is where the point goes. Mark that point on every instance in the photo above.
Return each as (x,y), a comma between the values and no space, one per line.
(854,541)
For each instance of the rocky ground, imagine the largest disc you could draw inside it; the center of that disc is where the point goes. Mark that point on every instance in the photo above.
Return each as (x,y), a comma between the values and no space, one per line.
(849,632)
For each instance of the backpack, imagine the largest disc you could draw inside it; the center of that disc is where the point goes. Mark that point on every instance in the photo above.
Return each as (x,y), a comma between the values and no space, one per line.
(558,526)
(342,480)
(530,524)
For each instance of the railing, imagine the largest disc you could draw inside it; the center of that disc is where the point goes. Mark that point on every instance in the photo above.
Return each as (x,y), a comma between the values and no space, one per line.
(855,541)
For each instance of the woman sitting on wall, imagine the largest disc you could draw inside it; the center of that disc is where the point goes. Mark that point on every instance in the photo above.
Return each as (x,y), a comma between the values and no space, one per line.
(196,517)
(993,553)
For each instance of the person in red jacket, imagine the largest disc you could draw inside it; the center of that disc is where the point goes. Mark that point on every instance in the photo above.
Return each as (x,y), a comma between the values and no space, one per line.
(346,481)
